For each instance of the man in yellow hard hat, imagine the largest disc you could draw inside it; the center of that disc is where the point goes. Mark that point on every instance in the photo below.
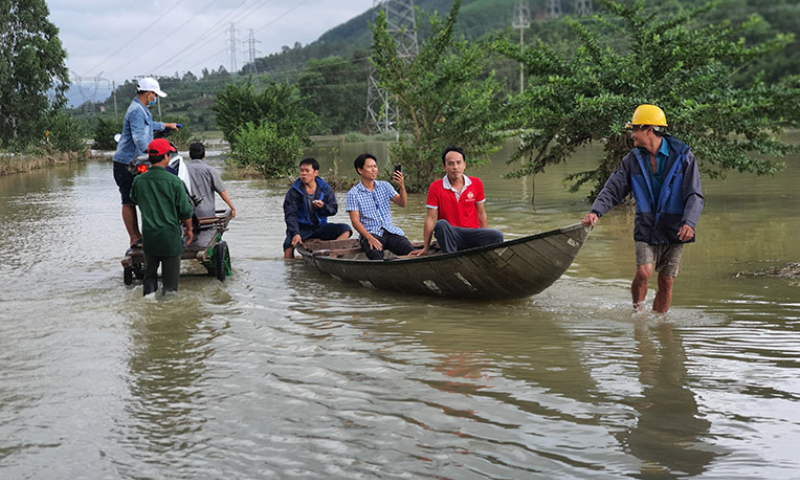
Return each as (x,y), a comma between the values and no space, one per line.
(662,174)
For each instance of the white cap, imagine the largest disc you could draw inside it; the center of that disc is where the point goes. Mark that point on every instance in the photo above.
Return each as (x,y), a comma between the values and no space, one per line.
(150,84)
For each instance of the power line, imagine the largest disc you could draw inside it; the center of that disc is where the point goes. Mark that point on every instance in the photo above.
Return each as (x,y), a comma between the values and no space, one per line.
(137,36)
(197,44)
(216,54)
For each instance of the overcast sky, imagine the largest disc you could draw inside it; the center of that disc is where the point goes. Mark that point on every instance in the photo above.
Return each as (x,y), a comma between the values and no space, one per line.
(119,40)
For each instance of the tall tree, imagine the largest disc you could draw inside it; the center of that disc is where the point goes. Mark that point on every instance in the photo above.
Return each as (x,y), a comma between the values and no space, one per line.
(444,95)
(629,56)
(32,66)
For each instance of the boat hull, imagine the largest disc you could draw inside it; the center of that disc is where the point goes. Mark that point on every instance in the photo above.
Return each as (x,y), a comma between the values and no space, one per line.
(514,269)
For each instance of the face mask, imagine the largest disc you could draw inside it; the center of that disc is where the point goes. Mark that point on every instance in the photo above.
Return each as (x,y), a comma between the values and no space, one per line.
(152,102)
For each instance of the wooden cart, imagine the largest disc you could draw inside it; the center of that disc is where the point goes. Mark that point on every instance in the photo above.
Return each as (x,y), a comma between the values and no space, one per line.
(208,248)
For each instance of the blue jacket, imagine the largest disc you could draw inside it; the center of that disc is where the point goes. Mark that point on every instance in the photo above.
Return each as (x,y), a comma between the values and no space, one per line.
(294,207)
(680,202)
(137,132)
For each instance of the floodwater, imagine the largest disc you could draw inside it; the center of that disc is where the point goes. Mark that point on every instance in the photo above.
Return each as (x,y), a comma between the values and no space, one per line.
(280,372)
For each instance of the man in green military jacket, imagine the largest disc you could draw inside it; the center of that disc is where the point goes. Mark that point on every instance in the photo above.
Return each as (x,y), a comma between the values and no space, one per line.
(164,205)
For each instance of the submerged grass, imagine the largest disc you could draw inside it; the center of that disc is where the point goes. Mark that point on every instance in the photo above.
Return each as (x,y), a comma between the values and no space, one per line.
(11,163)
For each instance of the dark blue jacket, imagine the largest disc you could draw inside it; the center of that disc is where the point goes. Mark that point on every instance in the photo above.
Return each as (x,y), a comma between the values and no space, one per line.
(295,211)
(680,202)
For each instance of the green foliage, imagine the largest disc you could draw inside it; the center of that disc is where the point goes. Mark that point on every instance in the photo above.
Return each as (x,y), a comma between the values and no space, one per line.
(263,148)
(444,96)
(278,105)
(64,135)
(629,56)
(355,137)
(103,133)
(182,137)
(31,59)
(331,89)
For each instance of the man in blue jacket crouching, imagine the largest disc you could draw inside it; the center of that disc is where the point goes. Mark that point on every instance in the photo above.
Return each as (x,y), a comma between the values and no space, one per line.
(306,208)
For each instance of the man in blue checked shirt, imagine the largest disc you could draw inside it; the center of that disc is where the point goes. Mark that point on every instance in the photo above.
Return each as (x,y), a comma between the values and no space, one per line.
(370,213)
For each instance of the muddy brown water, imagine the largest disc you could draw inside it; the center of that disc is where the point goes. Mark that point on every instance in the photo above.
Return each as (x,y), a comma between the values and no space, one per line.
(281,372)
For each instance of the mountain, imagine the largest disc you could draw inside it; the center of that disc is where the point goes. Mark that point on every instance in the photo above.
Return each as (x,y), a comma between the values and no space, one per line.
(345,49)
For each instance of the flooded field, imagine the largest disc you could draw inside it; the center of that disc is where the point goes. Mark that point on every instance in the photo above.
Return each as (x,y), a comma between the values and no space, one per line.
(280,372)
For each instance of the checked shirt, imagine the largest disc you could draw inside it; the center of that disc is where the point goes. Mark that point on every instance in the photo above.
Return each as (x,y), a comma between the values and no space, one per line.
(373,207)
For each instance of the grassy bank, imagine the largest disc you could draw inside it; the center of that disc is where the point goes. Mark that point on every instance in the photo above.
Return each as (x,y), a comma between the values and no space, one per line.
(11,163)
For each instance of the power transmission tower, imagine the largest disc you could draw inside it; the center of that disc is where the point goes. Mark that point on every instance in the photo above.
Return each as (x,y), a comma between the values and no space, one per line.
(521,21)
(89,93)
(553,9)
(402,25)
(583,7)
(232,32)
(251,50)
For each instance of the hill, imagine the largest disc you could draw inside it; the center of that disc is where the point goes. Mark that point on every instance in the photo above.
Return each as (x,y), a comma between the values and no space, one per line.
(336,65)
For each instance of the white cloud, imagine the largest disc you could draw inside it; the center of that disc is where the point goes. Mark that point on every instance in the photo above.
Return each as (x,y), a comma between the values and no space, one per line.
(123,39)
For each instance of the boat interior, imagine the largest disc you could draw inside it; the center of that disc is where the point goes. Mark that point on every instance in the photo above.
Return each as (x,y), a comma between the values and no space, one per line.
(349,249)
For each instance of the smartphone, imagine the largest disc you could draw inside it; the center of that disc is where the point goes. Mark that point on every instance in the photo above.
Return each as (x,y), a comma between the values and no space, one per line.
(398,167)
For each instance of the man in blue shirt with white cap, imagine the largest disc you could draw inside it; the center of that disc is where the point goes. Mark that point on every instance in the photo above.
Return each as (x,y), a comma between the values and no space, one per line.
(137,133)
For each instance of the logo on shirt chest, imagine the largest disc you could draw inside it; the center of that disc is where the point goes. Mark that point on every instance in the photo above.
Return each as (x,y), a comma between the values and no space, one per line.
(471,197)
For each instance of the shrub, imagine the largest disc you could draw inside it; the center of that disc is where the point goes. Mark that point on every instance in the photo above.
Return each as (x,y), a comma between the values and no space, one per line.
(103,133)
(278,104)
(64,134)
(262,148)
(184,136)
(356,137)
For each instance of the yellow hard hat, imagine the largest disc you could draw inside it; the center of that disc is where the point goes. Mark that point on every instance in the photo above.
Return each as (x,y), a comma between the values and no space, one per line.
(648,115)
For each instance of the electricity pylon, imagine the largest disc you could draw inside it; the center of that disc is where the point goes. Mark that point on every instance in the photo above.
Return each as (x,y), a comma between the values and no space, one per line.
(522,20)
(251,50)
(583,7)
(402,25)
(553,9)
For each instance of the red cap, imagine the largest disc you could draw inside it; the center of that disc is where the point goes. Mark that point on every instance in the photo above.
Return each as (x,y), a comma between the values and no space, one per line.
(159,146)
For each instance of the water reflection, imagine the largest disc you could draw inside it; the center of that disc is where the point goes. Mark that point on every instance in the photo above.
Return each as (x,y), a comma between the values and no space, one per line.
(530,368)
(282,372)
(670,431)
(171,339)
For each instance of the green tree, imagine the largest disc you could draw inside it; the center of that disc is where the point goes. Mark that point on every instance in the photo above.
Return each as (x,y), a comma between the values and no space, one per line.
(445,95)
(31,66)
(278,104)
(103,133)
(261,147)
(64,133)
(265,130)
(628,56)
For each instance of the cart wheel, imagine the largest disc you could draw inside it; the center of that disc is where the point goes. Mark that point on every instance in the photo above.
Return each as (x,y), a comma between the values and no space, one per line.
(138,271)
(222,261)
(127,275)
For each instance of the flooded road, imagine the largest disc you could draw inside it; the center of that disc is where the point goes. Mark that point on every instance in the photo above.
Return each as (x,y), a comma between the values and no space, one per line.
(281,372)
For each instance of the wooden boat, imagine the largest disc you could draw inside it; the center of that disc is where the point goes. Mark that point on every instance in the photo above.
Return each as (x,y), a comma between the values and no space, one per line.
(512,269)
